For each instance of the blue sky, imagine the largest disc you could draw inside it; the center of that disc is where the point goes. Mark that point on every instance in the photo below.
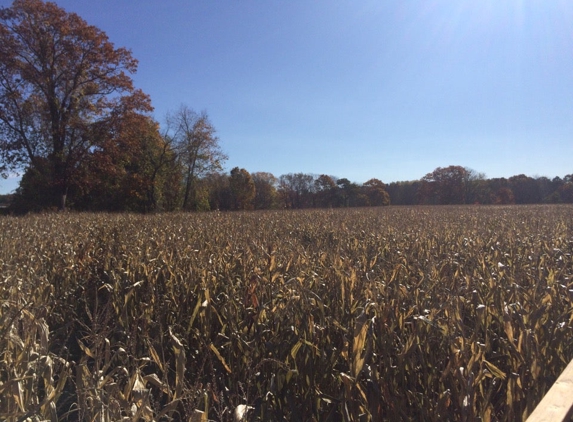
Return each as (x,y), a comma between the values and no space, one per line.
(360,89)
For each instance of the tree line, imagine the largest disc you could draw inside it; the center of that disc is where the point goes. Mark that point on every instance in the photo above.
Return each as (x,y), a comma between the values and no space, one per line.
(82,136)
(460,185)
(173,186)
(73,124)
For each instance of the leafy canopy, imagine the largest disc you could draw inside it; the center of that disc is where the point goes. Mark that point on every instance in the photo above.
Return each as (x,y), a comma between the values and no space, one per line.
(60,79)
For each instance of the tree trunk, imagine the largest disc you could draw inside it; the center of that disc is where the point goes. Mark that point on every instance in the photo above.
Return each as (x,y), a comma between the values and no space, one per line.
(187,192)
(60,181)
(63,198)
(63,193)
(190,194)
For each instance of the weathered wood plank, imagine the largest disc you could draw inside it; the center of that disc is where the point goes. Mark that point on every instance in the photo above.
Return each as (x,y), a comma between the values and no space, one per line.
(557,405)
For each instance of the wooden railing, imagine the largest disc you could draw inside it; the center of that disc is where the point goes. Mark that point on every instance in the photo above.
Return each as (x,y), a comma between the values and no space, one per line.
(557,405)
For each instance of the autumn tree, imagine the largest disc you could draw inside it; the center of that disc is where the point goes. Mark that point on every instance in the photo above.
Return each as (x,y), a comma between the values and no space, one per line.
(134,168)
(566,193)
(286,191)
(193,137)
(296,190)
(504,196)
(404,193)
(479,192)
(242,189)
(217,184)
(375,190)
(525,189)
(475,187)
(34,192)
(564,189)
(59,77)
(546,188)
(445,186)
(325,191)
(349,194)
(265,190)
(202,195)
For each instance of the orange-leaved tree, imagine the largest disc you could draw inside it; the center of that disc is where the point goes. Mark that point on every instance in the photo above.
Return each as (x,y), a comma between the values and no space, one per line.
(134,168)
(59,77)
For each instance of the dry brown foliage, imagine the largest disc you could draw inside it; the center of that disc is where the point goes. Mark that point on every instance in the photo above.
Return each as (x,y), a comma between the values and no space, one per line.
(445,313)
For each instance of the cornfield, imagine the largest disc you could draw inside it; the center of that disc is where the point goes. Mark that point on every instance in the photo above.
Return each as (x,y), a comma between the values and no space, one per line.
(425,313)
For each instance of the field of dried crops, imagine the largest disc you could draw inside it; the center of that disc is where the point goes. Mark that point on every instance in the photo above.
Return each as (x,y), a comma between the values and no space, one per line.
(444,313)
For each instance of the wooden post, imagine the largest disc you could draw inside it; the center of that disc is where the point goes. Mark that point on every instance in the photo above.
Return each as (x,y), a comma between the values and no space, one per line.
(557,405)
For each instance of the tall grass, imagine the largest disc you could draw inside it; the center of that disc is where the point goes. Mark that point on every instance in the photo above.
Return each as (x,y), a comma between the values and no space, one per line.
(445,313)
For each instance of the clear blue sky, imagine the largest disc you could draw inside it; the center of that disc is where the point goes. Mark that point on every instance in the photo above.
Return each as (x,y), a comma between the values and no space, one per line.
(362,88)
